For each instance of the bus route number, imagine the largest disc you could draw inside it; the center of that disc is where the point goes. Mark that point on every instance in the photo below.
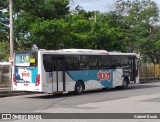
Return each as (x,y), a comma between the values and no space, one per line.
(50,74)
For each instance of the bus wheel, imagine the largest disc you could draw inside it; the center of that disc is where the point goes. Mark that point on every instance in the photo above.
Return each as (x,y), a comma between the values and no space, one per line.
(125,83)
(79,87)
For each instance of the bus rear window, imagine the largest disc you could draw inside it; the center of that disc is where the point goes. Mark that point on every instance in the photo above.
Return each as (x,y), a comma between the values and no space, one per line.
(26,59)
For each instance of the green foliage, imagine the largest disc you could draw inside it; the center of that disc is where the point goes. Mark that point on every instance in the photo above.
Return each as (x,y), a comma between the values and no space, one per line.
(49,34)
(30,13)
(4,49)
(46,9)
(140,20)
(131,27)
(3,19)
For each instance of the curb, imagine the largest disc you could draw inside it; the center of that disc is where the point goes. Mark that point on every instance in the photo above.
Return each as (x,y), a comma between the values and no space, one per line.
(6,92)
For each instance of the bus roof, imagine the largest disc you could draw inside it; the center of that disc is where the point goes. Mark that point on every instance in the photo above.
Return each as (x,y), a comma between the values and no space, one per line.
(120,53)
(85,51)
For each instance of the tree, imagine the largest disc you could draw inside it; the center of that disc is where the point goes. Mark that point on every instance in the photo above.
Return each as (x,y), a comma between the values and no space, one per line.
(131,27)
(140,19)
(88,33)
(4,49)
(29,12)
(49,34)
(4,31)
(4,21)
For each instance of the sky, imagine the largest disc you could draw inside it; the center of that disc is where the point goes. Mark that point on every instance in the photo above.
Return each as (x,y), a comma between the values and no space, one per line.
(101,5)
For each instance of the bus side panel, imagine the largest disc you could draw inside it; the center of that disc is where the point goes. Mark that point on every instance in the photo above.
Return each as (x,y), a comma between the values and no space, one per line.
(137,78)
(48,82)
(70,83)
(42,72)
(44,81)
(117,77)
(93,78)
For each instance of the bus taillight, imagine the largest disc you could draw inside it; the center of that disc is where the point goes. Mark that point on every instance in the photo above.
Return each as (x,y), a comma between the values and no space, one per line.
(37,79)
(14,80)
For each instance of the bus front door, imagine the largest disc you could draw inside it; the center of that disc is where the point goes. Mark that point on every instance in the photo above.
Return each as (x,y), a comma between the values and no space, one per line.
(58,83)
(133,69)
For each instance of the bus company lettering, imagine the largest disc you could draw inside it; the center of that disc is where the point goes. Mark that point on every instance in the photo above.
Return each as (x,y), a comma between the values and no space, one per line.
(25,74)
(104,75)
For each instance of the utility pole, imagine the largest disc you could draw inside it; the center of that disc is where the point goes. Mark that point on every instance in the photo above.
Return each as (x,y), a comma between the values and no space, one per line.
(95,16)
(11,38)
(11,41)
(11,28)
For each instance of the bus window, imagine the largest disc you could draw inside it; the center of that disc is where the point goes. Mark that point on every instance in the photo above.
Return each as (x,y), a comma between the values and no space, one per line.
(93,62)
(26,59)
(115,62)
(125,61)
(58,65)
(105,62)
(83,63)
(33,59)
(72,63)
(47,63)
(22,59)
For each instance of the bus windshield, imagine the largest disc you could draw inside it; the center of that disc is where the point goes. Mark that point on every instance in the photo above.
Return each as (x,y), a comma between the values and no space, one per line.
(26,59)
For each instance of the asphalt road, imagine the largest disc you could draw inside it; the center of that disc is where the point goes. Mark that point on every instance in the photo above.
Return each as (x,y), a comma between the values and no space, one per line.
(42,102)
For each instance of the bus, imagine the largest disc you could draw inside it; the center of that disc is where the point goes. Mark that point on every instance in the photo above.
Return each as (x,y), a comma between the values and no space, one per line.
(68,70)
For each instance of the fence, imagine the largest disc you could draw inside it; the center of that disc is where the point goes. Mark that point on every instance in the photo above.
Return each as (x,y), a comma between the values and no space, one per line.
(149,71)
(4,74)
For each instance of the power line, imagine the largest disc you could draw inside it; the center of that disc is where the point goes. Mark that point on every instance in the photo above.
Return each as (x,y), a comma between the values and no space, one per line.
(99,1)
(95,3)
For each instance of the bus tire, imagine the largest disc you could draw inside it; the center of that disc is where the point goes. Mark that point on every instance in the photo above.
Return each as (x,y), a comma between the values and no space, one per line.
(125,83)
(79,87)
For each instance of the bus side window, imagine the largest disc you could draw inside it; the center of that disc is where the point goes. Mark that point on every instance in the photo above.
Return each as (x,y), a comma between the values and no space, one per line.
(125,62)
(93,62)
(58,65)
(47,63)
(105,62)
(72,63)
(83,63)
(115,62)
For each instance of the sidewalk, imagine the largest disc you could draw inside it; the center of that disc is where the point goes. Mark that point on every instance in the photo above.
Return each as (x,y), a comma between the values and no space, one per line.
(6,92)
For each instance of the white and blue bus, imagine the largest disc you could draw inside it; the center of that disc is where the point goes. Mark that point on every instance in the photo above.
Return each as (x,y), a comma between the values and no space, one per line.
(78,70)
